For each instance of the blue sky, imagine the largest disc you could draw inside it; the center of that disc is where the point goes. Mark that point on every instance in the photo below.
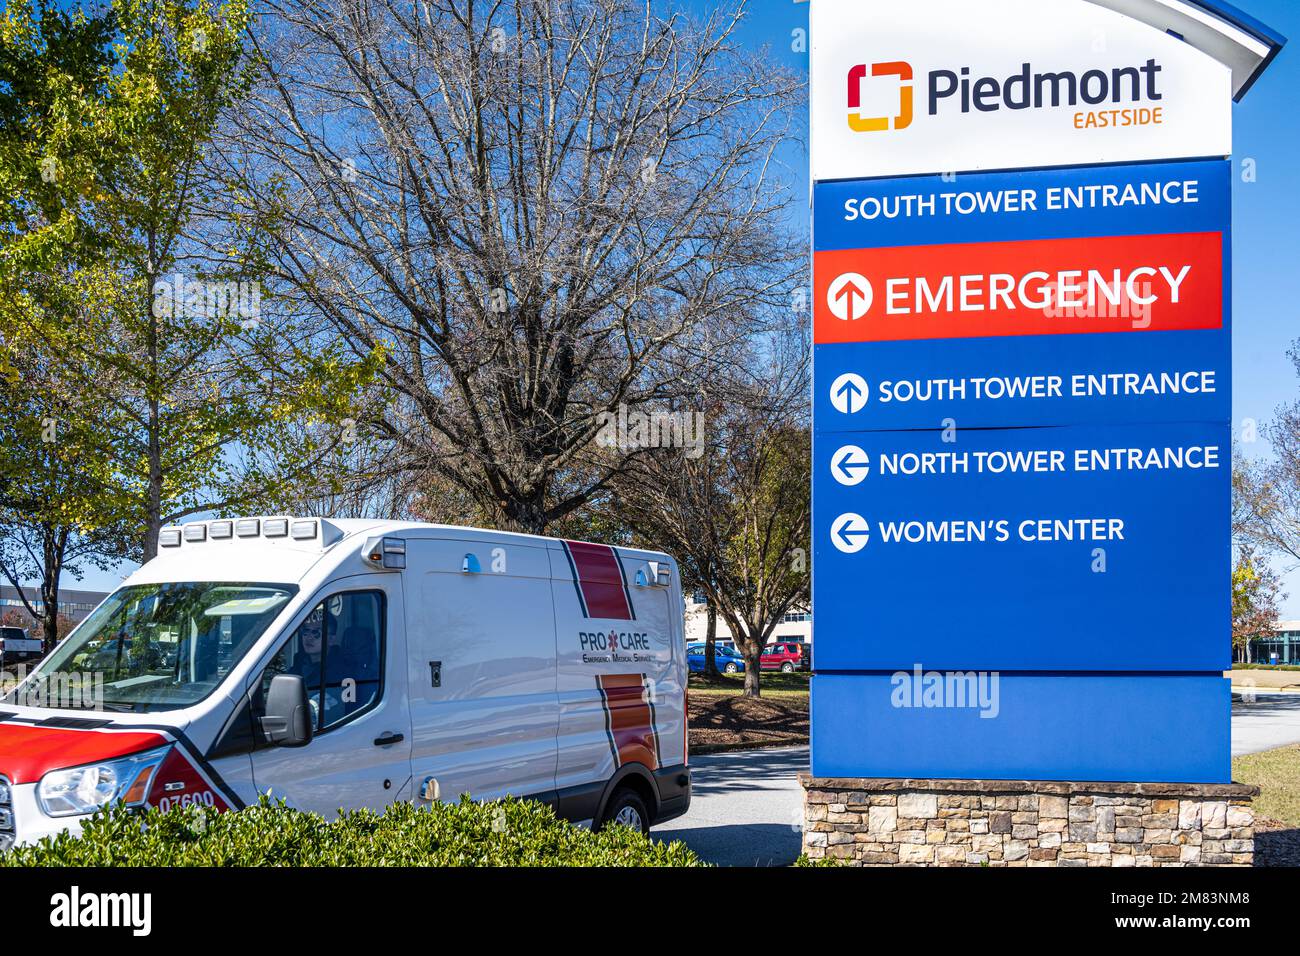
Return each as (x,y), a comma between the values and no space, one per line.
(1266,220)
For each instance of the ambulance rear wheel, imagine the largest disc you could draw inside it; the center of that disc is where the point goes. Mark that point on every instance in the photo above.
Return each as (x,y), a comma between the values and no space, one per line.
(626,808)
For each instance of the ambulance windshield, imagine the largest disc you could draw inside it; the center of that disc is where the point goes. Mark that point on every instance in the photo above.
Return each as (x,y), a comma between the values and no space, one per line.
(153,647)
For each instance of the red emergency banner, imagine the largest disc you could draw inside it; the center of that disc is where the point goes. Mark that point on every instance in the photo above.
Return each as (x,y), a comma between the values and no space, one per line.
(1039,287)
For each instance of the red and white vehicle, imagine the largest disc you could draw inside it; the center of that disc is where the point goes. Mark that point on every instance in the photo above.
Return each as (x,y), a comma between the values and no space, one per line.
(347,664)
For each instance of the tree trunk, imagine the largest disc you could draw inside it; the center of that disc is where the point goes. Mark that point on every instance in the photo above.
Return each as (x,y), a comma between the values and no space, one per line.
(54,544)
(711,643)
(526,514)
(154,489)
(753,652)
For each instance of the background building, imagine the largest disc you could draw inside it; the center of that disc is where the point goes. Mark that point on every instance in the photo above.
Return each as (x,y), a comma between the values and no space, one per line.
(75,605)
(1282,647)
(795,626)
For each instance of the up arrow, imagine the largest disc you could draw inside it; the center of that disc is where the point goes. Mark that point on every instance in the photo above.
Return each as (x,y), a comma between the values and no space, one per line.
(850,292)
(850,297)
(849,393)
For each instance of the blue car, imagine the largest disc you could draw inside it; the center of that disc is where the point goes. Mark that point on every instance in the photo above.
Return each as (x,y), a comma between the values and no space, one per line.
(728,659)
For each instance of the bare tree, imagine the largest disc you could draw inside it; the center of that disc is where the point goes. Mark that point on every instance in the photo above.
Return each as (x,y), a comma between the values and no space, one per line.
(535,208)
(1266,492)
(737,517)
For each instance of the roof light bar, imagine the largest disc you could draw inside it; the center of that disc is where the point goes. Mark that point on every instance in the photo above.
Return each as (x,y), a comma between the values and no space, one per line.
(304,530)
(275,528)
(196,532)
(248,527)
(169,538)
(220,530)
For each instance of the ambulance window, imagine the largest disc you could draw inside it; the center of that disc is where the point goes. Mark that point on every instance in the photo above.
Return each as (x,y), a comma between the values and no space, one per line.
(338,650)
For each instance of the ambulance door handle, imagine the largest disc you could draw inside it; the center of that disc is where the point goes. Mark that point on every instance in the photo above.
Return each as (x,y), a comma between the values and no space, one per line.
(387,739)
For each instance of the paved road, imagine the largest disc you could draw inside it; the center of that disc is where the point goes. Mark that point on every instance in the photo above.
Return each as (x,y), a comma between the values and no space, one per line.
(746,805)
(1272,720)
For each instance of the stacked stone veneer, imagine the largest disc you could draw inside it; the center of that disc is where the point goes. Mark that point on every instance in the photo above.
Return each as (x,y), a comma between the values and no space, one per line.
(887,822)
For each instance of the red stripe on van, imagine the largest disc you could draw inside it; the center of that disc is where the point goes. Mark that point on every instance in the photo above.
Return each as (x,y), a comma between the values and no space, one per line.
(629,718)
(179,782)
(29,752)
(600,576)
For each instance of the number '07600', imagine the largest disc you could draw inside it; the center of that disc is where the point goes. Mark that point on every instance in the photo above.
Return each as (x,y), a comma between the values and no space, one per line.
(205,799)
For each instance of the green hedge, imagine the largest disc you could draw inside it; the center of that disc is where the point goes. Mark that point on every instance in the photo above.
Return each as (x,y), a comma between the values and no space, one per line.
(1266,667)
(502,833)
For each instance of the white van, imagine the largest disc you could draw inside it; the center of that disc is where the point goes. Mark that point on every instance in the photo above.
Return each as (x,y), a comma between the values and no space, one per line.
(354,663)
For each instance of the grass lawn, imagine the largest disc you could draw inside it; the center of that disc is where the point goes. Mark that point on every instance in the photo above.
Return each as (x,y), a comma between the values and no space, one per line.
(1277,774)
(772,684)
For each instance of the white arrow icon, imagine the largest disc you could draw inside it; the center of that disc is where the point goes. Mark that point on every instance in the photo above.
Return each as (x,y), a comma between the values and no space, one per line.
(850,533)
(850,297)
(850,465)
(849,393)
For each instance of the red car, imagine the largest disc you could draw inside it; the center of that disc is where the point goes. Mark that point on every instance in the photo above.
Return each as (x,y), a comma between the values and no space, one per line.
(786,656)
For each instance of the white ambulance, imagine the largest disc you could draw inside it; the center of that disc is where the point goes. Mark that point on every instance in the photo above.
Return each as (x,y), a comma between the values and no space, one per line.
(353,663)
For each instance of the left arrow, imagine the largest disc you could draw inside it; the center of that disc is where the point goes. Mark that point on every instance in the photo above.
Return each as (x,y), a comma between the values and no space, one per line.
(850,533)
(850,465)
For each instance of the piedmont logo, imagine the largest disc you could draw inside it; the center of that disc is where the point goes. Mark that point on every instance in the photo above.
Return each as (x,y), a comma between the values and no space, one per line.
(1025,90)
(879,124)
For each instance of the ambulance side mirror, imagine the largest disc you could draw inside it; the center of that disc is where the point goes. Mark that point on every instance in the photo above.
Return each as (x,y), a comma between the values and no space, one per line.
(287,722)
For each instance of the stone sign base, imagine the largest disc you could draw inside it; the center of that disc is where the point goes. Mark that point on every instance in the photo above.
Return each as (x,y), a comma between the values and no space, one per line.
(890,822)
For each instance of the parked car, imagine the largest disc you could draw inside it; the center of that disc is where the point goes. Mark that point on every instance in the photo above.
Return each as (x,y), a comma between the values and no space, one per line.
(357,663)
(17,645)
(728,659)
(787,657)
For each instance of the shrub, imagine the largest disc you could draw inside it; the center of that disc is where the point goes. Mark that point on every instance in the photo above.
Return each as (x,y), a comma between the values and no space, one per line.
(502,833)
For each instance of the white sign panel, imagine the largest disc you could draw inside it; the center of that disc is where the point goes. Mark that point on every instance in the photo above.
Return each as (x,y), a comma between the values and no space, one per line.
(933,86)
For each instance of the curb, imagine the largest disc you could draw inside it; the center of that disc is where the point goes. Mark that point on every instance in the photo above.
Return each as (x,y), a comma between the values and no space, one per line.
(704,750)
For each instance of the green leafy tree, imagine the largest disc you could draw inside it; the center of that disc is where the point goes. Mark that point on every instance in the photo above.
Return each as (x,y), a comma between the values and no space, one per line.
(212,395)
(56,487)
(1256,591)
(55,490)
